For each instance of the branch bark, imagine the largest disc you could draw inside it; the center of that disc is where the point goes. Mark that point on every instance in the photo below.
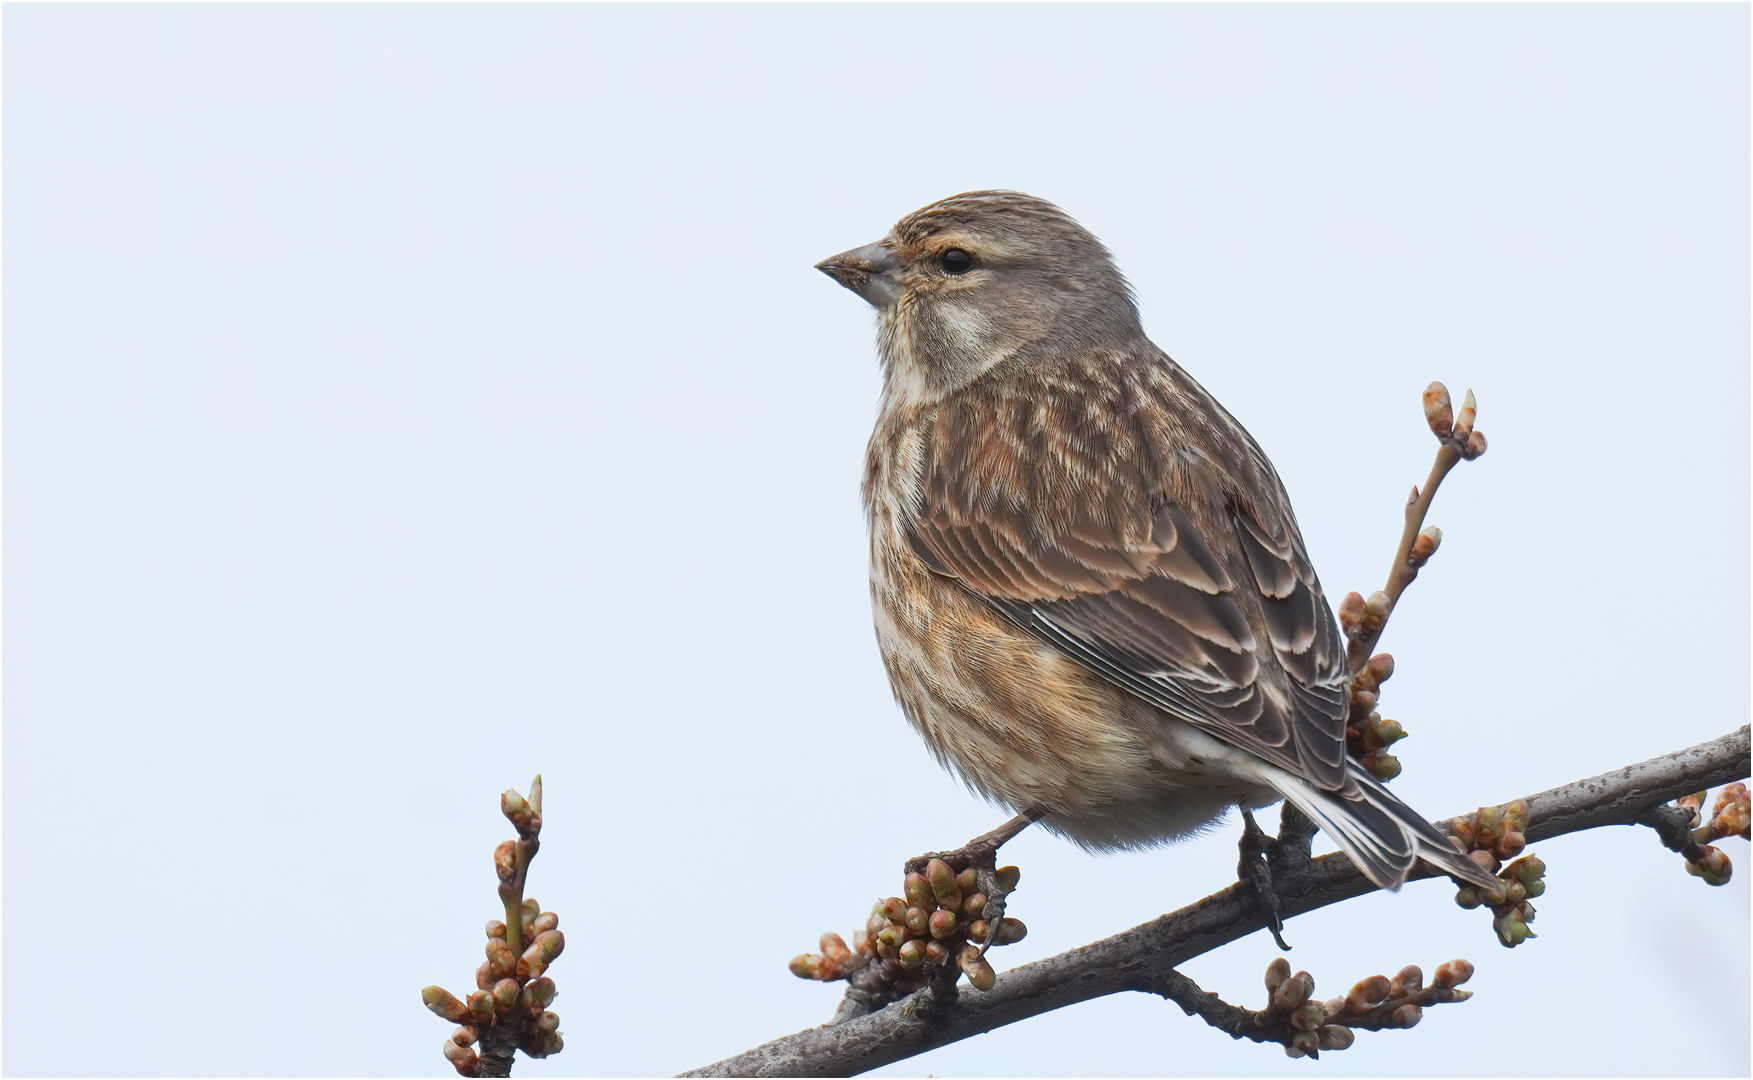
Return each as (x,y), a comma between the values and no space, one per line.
(1141,959)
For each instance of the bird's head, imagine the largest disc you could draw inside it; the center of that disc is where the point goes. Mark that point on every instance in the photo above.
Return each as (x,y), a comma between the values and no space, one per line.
(977,279)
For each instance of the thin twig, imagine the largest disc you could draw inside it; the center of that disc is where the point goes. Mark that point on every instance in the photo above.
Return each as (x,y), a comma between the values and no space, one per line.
(1402,572)
(1139,958)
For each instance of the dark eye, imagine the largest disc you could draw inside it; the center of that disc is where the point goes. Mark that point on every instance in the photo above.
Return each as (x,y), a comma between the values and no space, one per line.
(956,261)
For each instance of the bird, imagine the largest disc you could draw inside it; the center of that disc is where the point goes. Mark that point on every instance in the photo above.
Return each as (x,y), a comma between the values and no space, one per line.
(1090,592)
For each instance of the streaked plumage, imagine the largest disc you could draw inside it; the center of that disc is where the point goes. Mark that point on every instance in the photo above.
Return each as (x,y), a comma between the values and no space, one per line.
(1090,592)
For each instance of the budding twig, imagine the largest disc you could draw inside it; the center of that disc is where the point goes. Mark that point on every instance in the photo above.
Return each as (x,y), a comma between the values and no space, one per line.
(1675,823)
(1295,1020)
(1458,441)
(509,1009)
(1125,961)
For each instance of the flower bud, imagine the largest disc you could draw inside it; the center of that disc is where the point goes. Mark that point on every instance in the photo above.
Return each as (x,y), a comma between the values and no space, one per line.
(977,968)
(482,1005)
(941,924)
(974,906)
(887,951)
(464,1059)
(893,909)
(1367,994)
(484,976)
(1375,609)
(805,966)
(1010,931)
(1381,765)
(547,1022)
(1294,992)
(529,910)
(1464,419)
(1511,930)
(1712,866)
(943,885)
(1351,613)
(1467,896)
(917,920)
(544,1044)
(1475,447)
(445,1004)
(1308,1016)
(1336,1037)
(936,952)
(912,953)
(505,861)
(1302,1043)
(1406,1016)
(1409,980)
(547,947)
(968,881)
(1515,816)
(495,929)
(541,924)
(1276,973)
(875,924)
(500,959)
(511,804)
(918,891)
(504,994)
(1008,877)
(1439,412)
(892,936)
(1425,546)
(834,948)
(540,992)
(977,930)
(1381,666)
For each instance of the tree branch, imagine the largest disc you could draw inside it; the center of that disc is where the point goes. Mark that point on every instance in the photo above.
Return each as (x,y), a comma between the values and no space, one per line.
(1143,958)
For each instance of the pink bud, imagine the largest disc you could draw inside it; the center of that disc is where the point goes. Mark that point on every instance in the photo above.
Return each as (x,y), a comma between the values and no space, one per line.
(1439,413)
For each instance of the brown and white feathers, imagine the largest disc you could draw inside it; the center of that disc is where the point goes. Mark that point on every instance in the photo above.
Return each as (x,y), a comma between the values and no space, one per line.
(1090,590)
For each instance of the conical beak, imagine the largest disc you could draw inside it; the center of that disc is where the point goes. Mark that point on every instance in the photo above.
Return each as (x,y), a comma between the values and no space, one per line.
(871,271)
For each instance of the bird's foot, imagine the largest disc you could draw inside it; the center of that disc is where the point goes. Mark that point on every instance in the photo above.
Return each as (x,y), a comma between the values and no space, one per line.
(981,856)
(1259,854)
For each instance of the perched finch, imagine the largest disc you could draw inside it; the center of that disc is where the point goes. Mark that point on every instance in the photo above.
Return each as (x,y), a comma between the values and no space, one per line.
(1089,588)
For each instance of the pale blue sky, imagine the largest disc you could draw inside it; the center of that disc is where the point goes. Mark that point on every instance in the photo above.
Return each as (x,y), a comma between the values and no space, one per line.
(401,400)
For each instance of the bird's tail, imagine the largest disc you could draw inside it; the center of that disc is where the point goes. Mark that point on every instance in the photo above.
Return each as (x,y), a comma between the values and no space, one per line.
(1381,834)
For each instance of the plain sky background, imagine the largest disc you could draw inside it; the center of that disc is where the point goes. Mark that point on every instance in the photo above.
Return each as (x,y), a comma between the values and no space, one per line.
(401,400)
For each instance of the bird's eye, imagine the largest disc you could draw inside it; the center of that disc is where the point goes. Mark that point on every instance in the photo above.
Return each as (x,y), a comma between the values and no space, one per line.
(956,261)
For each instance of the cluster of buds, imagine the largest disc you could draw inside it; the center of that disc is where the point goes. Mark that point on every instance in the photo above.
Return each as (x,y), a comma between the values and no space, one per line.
(509,1008)
(941,924)
(1489,837)
(1729,816)
(1309,1026)
(1367,734)
(1455,431)
(1363,619)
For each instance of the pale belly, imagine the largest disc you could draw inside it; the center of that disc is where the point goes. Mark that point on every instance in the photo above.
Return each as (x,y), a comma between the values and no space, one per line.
(1029,728)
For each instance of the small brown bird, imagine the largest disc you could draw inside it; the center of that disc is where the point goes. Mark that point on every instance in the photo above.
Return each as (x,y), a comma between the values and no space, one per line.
(1090,592)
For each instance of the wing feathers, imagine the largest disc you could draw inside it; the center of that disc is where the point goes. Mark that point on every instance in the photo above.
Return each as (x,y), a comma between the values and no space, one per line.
(1160,552)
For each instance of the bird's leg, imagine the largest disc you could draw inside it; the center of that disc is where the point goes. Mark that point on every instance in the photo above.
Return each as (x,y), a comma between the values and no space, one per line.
(1296,834)
(981,853)
(1258,854)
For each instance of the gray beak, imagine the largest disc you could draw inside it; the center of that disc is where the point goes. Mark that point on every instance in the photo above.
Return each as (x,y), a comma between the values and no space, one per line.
(871,271)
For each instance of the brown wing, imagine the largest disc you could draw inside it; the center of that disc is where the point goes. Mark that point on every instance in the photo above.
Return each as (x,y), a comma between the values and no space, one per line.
(1133,525)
